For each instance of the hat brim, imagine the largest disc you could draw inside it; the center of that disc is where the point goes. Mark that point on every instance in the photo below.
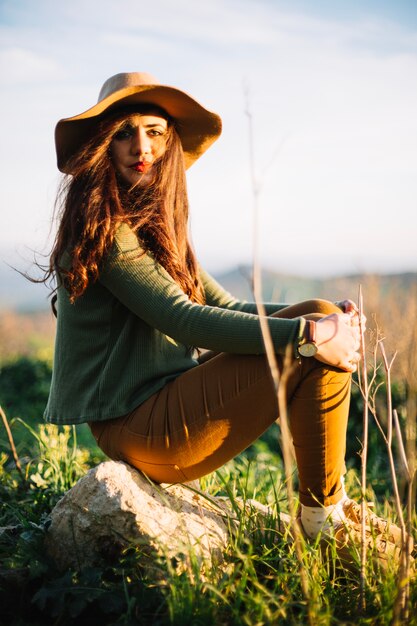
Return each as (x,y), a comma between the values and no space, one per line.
(197,127)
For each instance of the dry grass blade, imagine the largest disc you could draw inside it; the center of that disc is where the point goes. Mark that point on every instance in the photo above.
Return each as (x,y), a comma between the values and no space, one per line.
(279,380)
(402,600)
(388,442)
(11,442)
(364,454)
(401,604)
(287,455)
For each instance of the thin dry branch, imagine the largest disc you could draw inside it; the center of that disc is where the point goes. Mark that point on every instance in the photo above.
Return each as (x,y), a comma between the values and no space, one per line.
(11,442)
(401,604)
(286,448)
(402,600)
(401,449)
(364,454)
(279,381)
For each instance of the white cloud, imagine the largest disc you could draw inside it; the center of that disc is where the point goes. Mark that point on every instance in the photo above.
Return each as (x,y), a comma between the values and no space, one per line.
(338,97)
(21,65)
(196,22)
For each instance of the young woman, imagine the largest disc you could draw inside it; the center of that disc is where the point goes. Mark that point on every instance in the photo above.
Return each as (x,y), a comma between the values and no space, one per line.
(133,306)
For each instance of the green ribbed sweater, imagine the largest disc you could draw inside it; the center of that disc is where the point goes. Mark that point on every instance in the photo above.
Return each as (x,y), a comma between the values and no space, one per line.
(133,330)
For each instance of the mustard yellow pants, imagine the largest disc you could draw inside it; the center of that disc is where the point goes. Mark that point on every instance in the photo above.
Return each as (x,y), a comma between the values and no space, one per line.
(212,412)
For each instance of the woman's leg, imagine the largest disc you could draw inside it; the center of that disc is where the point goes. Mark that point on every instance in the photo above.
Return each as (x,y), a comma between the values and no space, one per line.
(209,414)
(318,408)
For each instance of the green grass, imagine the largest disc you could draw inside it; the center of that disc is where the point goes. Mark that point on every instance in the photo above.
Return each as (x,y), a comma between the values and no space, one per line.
(258,583)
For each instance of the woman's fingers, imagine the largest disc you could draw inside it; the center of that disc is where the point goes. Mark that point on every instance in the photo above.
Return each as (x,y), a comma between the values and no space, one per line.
(348,306)
(350,364)
(354,362)
(338,341)
(351,308)
(357,320)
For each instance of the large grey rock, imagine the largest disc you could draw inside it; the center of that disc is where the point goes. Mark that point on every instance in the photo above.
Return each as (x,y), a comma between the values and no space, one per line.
(114,506)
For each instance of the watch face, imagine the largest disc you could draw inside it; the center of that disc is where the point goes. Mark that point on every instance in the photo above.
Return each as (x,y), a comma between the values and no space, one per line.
(307,349)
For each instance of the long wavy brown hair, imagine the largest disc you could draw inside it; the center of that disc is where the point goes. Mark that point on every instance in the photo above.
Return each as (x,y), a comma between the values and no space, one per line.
(93,202)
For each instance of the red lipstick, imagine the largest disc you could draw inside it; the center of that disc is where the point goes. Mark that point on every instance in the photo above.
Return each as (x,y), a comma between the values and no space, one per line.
(141,166)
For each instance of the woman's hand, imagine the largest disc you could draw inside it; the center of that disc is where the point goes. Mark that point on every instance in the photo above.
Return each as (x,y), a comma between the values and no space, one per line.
(338,340)
(348,306)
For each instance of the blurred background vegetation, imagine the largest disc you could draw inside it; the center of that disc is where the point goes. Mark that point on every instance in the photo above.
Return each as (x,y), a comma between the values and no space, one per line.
(53,459)
(390,303)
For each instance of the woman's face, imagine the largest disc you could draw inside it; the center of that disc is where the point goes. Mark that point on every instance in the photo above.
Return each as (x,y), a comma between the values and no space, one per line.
(137,145)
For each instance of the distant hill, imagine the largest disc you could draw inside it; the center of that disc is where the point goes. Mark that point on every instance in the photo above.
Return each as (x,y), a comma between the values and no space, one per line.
(289,289)
(27,326)
(19,294)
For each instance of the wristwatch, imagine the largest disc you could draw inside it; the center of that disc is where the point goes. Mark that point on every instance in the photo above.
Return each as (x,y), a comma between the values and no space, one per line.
(307,346)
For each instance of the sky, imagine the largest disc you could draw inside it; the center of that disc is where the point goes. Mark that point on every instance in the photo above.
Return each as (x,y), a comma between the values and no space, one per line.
(326,89)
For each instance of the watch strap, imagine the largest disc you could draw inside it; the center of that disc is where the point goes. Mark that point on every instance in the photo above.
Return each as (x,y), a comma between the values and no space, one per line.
(307,347)
(310,331)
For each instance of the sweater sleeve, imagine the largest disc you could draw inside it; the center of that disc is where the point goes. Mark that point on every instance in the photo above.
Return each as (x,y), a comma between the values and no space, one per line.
(144,287)
(216,295)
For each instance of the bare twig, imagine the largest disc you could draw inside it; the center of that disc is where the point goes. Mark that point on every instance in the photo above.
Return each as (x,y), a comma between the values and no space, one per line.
(402,599)
(11,442)
(256,278)
(410,492)
(401,449)
(279,381)
(286,449)
(388,441)
(364,454)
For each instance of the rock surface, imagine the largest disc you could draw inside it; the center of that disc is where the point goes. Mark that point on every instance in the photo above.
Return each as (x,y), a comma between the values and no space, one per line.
(114,506)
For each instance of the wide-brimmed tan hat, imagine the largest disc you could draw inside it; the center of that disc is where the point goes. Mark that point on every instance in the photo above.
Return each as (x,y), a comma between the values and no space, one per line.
(197,127)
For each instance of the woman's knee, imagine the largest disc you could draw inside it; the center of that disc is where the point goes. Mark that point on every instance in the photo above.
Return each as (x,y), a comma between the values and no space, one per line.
(320,306)
(315,307)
